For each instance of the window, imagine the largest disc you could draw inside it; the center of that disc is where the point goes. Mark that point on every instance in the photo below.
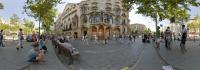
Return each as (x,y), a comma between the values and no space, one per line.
(123,21)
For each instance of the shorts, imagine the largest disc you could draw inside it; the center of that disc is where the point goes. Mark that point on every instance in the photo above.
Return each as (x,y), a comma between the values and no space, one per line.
(158,40)
(183,40)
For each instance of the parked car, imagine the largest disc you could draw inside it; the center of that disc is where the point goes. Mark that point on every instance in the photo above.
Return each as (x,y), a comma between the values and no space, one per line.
(29,38)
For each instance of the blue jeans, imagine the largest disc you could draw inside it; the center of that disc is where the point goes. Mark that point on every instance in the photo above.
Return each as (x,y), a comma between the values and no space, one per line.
(20,43)
(1,43)
(32,59)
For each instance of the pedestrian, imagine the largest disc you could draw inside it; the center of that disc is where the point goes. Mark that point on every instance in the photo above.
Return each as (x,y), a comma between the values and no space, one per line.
(70,48)
(20,39)
(36,55)
(1,39)
(134,36)
(130,38)
(34,38)
(95,38)
(120,37)
(42,45)
(158,37)
(37,36)
(106,40)
(168,37)
(183,39)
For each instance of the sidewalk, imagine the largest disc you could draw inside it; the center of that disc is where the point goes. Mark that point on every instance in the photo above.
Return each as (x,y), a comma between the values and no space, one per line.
(187,61)
(52,61)
(113,56)
(11,59)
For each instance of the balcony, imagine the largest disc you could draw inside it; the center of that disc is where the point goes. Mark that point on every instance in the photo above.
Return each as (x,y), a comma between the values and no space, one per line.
(108,9)
(108,4)
(94,8)
(117,2)
(94,3)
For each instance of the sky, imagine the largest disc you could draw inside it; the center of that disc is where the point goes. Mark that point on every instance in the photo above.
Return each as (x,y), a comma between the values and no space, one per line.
(16,6)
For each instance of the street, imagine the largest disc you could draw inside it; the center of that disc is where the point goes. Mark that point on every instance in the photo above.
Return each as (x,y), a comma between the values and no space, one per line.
(116,55)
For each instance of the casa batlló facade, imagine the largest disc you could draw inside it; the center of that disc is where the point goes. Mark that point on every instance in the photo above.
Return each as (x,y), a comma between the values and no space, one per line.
(94,18)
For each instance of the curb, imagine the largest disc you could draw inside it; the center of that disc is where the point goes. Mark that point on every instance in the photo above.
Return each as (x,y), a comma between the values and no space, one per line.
(165,60)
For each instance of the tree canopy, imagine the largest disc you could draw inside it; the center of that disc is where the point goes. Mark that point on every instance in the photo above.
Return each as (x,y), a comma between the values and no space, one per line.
(165,9)
(29,24)
(195,23)
(48,19)
(42,10)
(14,19)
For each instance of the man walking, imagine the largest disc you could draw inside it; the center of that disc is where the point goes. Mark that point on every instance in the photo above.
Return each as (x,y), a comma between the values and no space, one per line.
(158,37)
(1,38)
(20,38)
(183,39)
(168,37)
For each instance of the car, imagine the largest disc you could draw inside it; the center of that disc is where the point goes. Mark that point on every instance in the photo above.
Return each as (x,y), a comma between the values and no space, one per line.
(29,38)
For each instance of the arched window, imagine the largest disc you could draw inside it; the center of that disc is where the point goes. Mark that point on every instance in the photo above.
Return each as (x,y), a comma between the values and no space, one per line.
(84,18)
(123,21)
(117,20)
(117,11)
(98,17)
(92,19)
(70,26)
(75,21)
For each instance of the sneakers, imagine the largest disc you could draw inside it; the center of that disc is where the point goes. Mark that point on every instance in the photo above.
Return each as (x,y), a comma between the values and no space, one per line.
(17,49)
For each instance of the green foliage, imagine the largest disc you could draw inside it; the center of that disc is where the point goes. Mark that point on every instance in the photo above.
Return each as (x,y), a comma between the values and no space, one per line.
(43,10)
(15,27)
(14,19)
(29,24)
(165,9)
(1,6)
(27,30)
(48,19)
(195,23)
(4,26)
(147,30)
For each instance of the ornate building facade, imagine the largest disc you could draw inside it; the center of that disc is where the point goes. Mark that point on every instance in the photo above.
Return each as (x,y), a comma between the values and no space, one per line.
(101,18)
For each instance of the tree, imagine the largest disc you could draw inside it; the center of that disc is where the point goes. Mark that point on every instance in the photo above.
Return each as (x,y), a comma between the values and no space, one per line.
(162,9)
(195,23)
(15,27)
(14,19)
(29,24)
(1,6)
(48,19)
(4,26)
(39,8)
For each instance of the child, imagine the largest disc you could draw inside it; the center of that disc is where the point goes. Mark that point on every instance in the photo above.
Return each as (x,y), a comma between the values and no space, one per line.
(36,55)
(33,53)
(43,46)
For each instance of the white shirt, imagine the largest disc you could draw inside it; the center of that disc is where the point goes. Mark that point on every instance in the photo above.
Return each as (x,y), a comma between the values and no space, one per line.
(20,35)
(184,30)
